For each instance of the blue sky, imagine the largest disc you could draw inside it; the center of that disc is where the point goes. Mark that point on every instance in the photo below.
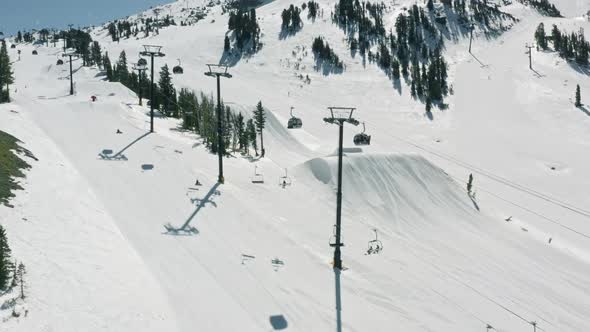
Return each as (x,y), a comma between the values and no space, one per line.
(35,14)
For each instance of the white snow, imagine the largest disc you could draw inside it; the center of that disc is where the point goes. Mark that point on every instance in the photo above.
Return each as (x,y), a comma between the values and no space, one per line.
(99,256)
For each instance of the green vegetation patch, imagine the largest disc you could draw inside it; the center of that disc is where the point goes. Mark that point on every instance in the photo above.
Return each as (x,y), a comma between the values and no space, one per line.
(11,165)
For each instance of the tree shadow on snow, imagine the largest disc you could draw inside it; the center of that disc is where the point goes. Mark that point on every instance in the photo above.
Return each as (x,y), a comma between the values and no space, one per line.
(230,58)
(251,158)
(327,68)
(288,32)
(579,68)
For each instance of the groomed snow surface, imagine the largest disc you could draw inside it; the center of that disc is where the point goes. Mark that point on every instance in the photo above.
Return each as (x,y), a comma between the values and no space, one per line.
(116,236)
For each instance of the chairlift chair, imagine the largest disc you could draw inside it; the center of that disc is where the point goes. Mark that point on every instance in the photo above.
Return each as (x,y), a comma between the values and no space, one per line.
(178,69)
(257,178)
(374,246)
(332,241)
(362,138)
(294,122)
(142,62)
(285,180)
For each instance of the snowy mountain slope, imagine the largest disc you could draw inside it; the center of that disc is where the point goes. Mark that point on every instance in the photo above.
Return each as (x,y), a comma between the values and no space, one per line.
(445,265)
(73,250)
(395,116)
(572,8)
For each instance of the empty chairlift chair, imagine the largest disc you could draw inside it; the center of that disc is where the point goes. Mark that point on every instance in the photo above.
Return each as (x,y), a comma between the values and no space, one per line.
(257,178)
(178,69)
(294,122)
(285,181)
(362,138)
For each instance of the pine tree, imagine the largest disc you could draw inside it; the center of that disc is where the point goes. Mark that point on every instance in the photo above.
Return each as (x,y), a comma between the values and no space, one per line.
(227,129)
(6,74)
(556,37)
(578,96)
(186,107)
(5,261)
(251,134)
(14,282)
(167,92)
(240,130)
(20,273)
(226,44)
(395,69)
(107,67)
(95,54)
(540,36)
(122,73)
(260,121)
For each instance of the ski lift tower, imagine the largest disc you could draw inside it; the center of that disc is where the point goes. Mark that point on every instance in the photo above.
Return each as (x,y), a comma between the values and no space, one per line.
(152,51)
(338,116)
(141,67)
(218,71)
(70,52)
